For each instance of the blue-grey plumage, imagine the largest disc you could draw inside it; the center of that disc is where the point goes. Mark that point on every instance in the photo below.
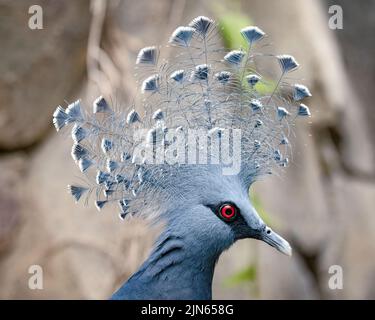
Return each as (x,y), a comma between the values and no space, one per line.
(100,105)
(78,152)
(256,105)
(78,133)
(132,117)
(201,25)
(100,204)
(178,75)
(148,55)
(234,57)
(112,165)
(304,110)
(252,79)
(223,76)
(258,123)
(151,83)
(278,155)
(201,72)
(158,115)
(125,156)
(284,141)
(106,145)
(182,36)
(76,191)
(102,177)
(59,118)
(203,210)
(252,34)
(282,113)
(300,92)
(287,63)
(84,164)
(181,265)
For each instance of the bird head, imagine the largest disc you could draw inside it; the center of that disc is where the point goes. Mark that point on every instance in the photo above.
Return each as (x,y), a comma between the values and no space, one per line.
(217,209)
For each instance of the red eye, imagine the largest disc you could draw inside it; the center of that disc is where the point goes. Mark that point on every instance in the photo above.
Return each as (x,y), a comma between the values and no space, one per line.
(228,212)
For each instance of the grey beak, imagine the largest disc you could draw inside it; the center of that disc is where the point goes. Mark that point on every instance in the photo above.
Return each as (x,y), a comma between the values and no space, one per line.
(274,240)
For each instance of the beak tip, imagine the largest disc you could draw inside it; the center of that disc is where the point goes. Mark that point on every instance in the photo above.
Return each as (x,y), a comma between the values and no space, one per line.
(288,251)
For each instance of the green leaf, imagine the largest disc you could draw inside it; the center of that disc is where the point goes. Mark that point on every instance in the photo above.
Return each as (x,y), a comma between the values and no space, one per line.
(230,25)
(246,275)
(265,87)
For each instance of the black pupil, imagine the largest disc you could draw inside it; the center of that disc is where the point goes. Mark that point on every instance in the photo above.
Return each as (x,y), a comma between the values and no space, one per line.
(228,211)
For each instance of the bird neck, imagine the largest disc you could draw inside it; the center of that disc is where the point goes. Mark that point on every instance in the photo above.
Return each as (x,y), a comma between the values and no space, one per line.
(181,266)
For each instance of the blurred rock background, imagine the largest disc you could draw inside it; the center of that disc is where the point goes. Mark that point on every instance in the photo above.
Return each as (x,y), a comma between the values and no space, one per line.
(324,204)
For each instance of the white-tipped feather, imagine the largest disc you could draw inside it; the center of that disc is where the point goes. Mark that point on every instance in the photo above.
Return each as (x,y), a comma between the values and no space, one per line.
(252,34)
(59,118)
(78,133)
(106,145)
(133,117)
(287,63)
(182,36)
(100,105)
(84,164)
(77,191)
(282,113)
(303,110)
(100,204)
(202,25)
(78,152)
(234,57)
(147,55)
(74,112)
